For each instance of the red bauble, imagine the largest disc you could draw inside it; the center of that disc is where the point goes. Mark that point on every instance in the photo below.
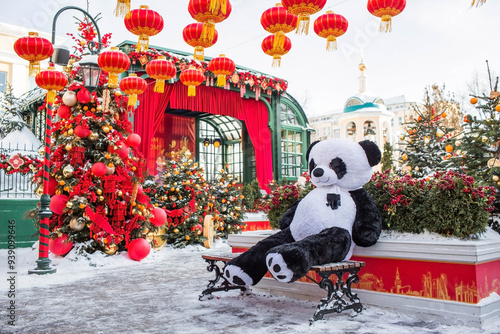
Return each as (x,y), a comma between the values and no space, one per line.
(52,186)
(81,132)
(122,149)
(83,96)
(138,249)
(64,111)
(159,217)
(58,204)
(134,140)
(60,245)
(99,169)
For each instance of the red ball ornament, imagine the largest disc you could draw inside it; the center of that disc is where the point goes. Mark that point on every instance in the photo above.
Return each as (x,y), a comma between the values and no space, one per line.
(122,149)
(83,96)
(60,245)
(64,111)
(138,249)
(58,204)
(81,132)
(159,217)
(134,140)
(52,186)
(99,169)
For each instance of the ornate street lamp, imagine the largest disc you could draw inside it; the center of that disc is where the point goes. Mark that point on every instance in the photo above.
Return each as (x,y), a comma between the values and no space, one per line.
(91,71)
(62,58)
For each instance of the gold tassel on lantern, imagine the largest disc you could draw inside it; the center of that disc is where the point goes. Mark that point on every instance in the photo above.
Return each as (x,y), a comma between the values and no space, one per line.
(191,90)
(479,2)
(221,80)
(386,23)
(122,7)
(303,24)
(279,40)
(159,86)
(215,5)
(113,80)
(199,53)
(51,96)
(132,100)
(331,43)
(276,61)
(208,31)
(143,43)
(34,68)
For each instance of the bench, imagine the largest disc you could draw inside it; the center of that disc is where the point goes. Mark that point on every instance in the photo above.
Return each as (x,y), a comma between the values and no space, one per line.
(339,295)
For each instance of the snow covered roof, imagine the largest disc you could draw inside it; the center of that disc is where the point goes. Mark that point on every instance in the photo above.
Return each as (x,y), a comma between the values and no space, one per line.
(399,100)
(20,141)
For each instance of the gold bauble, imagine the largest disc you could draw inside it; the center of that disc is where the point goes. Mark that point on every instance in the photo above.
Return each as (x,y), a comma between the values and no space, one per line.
(98,108)
(69,204)
(69,147)
(176,230)
(76,225)
(105,129)
(93,136)
(68,171)
(70,132)
(495,178)
(120,193)
(101,198)
(110,249)
(484,139)
(41,151)
(458,143)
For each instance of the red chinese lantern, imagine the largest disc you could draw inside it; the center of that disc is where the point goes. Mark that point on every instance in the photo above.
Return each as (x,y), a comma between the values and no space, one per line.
(479,3)
(143,22)
(386,9)
(276,52)
(330,26)
(192,35)
(278,21)
(122,7)
(133,86)
(52,81)
(114,62)
(192,77)
(222,67)
(34,49)
(161,70)
(205,12)
(303,9)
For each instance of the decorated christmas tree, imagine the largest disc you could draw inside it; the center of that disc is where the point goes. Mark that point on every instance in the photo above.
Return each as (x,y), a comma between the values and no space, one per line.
(10,119)
(227,200)
(427,146)
(95,172)
(178,190)
(387,163)
(480,142)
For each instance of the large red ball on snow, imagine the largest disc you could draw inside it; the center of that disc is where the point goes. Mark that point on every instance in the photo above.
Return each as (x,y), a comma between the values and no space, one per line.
(138,249)
(58,203)
(60,245)
(83,96)
(134,140)
(64,111)
(159,217)
(99,169)
(81,132)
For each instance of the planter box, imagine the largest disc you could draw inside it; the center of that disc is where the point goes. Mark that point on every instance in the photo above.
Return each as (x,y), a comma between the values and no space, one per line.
(256,221)
(14,210)
(456,281)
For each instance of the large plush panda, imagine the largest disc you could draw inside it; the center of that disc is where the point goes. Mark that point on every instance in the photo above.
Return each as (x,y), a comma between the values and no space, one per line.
(324,226)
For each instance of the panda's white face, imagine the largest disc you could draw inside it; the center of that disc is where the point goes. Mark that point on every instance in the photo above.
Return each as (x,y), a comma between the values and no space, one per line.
(340,162)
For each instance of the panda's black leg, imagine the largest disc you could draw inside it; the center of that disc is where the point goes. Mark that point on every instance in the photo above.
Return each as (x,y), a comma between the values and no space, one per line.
(250,267)
(289,262)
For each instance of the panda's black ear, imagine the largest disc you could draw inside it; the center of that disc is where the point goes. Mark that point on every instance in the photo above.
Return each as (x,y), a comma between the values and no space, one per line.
(309,149)
(372,152)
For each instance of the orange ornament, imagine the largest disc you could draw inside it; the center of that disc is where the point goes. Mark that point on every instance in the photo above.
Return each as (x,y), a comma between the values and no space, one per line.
(449,148)
(473,100)
(497,108)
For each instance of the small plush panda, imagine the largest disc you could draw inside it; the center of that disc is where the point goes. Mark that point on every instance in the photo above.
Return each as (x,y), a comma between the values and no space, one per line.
(324,226)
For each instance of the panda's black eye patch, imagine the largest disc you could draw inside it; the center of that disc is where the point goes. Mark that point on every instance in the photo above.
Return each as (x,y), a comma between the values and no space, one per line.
(339,167)
(312,165)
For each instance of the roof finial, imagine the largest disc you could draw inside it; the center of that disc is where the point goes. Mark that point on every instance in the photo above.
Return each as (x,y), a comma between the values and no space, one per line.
(362,66)
(362,77)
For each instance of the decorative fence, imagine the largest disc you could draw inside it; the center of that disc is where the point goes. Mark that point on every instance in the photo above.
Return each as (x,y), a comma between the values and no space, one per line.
(16,176)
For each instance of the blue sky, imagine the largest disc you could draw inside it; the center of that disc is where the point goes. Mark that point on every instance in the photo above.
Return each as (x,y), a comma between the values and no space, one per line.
(432,42)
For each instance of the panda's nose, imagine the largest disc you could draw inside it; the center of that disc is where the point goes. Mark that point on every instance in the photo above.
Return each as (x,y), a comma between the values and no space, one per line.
(318,172)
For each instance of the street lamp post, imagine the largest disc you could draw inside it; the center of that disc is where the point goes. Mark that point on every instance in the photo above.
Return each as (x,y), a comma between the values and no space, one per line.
(90,72)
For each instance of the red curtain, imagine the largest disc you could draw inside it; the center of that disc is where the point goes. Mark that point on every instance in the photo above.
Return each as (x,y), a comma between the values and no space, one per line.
(148,117)
(210,100)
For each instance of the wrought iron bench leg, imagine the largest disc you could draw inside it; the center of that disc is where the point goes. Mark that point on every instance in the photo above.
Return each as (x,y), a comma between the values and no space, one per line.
(339,295)
(224,285)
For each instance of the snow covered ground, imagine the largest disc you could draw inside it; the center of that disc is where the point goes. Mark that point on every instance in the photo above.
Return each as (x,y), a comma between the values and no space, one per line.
(113,294)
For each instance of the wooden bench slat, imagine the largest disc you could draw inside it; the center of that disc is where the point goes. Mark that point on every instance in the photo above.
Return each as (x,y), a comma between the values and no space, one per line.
(220,257)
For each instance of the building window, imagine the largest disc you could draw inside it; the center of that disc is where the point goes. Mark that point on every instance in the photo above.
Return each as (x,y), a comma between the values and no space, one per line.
(400,120)
(3,82)
(291,153)
(336,133)
(288,115)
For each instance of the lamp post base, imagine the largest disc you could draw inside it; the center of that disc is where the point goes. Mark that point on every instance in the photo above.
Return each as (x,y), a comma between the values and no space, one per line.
(43,267)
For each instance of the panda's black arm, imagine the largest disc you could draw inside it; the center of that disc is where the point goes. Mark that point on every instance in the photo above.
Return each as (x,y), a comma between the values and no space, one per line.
(287,217)
(368,222)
